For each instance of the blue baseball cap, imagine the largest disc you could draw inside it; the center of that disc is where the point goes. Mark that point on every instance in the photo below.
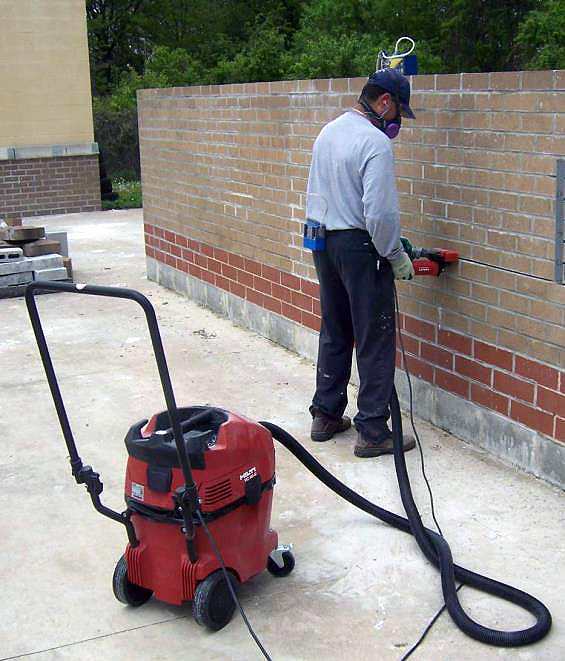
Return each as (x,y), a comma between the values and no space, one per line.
(394,82)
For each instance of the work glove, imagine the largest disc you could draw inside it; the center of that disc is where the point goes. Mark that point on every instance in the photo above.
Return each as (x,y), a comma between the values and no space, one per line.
(408,247)
(402,267)
(412,251)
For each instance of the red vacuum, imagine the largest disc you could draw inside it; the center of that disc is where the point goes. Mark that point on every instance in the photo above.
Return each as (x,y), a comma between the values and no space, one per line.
(198,491)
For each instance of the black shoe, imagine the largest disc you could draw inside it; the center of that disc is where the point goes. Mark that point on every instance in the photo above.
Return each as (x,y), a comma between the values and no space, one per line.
(324,428)
(366,447)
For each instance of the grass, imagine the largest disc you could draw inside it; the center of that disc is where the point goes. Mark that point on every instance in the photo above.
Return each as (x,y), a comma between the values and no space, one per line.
(129,194)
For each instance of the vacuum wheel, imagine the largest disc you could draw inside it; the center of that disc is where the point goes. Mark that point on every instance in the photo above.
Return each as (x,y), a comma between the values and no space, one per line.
(288,560)
(126,591)
(213,604)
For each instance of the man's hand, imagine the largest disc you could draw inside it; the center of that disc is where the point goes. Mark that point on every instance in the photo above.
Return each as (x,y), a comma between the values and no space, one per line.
(408,247)
(402,267)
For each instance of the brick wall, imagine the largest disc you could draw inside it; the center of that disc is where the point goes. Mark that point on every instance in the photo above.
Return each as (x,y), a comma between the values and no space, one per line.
(224,172)
(39,186)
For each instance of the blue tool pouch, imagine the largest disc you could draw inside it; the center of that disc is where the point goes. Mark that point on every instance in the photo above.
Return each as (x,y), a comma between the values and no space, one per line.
(314,236)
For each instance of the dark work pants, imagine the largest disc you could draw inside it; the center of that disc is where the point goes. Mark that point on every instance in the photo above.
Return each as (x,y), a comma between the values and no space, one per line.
(357,301)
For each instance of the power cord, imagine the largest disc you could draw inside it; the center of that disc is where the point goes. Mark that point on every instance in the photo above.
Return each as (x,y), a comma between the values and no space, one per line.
(426,630)
(404,362)
(407,372)
(230,586)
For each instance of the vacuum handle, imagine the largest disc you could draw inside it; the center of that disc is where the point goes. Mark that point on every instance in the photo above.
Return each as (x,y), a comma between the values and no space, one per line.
(112,292)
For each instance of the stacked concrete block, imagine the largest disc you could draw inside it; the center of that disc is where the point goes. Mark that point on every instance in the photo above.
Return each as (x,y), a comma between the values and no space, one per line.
(26,255)
(9,253)
(42,247)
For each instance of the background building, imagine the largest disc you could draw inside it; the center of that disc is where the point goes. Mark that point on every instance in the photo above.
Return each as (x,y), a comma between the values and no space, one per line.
(48,157)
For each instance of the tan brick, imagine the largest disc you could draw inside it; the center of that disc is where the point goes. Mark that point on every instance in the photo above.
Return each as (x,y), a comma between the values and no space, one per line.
(518,263)
(475,196)
(537,164)
(544,185)
(541,206)
(339,85)
(485,255)
(502,280)
(460,212)
(434,208)
(435,173)
(502,240)
(454,321)
(546,311)
(515,222)
(555,293)
(448,120)
(535,247)
(410,170)
(550,102)
(537,80)
(427,118)
(423,82)
(476,272)
(477,120)
(482,331)
(476,81)
(434,137)
(505,80)
(487,139)
(447,229)
(485,293)
(501,318)
(422,187)
(461,101)
(515,302)
(456,138)
(514,341)
(538,122)
(449,81)
(472,233)
(518,141)
(550,144)
(506,121)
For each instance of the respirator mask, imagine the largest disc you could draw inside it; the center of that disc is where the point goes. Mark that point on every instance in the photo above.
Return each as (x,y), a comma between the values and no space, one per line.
(390,127)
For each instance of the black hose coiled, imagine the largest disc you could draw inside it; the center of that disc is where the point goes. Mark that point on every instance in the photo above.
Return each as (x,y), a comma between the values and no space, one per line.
(434,546)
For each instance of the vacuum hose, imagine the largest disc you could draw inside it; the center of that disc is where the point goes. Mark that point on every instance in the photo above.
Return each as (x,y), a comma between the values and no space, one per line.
(434,546)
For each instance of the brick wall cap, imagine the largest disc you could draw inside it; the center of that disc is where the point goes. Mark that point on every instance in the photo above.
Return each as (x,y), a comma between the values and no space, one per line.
(47,151)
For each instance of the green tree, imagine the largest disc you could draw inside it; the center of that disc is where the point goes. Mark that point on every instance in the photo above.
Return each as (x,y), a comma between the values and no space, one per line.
(115,40)
(343,38)
(479,35)
(262,59)
(541,36)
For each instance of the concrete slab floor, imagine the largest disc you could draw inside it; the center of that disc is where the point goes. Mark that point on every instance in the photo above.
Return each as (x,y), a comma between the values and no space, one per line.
(360,590)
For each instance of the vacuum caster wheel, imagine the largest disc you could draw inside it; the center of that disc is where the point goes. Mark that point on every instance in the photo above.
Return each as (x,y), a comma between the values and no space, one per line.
(281,561)
(213,604)
(126,591)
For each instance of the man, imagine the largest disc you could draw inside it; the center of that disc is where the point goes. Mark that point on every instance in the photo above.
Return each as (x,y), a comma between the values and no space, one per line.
(352,191)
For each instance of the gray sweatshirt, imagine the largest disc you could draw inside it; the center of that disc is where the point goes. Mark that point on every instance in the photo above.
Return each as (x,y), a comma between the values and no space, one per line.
(352,183)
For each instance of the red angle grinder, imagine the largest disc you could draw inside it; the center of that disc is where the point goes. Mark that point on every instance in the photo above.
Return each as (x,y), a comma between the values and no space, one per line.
(429,262)
(432,262)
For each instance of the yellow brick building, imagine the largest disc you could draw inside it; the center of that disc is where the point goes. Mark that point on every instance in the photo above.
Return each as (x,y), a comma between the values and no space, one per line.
(48,157)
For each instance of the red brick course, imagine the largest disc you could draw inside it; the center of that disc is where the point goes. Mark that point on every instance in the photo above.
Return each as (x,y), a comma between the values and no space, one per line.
(527,391)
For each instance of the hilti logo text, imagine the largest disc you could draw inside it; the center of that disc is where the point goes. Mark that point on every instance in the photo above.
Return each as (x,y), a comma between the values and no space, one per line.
(249,474)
